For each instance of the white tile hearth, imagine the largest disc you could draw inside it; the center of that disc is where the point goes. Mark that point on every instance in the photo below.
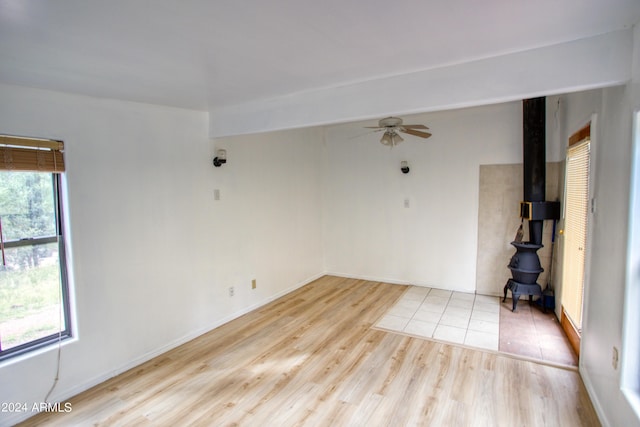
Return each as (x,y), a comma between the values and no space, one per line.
(455,317)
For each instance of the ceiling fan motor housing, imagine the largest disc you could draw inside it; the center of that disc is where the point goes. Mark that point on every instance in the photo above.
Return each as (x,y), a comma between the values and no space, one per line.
(390,122)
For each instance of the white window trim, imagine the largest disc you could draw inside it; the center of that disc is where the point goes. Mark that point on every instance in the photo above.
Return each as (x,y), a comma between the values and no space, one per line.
(630,372)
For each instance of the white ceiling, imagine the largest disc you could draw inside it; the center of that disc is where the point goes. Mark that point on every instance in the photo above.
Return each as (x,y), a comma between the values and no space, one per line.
(209,55)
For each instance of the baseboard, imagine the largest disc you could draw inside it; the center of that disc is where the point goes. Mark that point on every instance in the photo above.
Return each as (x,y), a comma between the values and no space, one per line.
(586,380)
(368,278)
(65,395)
(395,281)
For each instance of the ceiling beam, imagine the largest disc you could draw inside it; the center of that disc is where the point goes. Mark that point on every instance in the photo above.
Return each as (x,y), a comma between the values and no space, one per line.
(589,63)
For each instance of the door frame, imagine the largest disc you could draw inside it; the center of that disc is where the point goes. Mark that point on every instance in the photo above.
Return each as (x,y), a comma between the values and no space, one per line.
(575,339)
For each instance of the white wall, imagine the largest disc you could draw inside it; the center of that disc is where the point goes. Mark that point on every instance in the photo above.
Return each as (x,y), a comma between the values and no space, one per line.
(153,254)
(605,282)
(604,299)
(269,218)
(368,232)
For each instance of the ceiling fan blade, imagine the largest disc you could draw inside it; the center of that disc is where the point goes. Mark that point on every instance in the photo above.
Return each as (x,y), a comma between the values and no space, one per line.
(415,127)
(366,133)
(417,133)
(373,127)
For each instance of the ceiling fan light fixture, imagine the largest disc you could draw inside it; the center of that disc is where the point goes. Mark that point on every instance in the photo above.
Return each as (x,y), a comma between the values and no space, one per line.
(386,139)
(391,139)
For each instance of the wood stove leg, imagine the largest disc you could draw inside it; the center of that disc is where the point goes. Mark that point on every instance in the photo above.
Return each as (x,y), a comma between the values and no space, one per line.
(506,287)
(515,297)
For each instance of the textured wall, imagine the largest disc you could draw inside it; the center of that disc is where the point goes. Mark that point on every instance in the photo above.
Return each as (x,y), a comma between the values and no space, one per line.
(498,220)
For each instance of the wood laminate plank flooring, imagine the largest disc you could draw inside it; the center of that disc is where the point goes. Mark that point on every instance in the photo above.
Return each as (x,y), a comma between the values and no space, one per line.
(311,358)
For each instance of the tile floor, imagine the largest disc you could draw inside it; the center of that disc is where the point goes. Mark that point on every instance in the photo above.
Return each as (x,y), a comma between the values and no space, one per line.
(531,332)
(449,316)
(479,321)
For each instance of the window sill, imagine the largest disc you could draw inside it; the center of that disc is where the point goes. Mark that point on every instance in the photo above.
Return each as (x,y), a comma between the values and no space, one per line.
(633,397)
(47,347)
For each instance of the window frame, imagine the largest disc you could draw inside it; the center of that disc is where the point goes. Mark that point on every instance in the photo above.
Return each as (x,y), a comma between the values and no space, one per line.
(59,237)
(630,372)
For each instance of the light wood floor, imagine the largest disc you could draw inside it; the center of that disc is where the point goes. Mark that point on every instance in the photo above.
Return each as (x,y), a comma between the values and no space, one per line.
(311,358)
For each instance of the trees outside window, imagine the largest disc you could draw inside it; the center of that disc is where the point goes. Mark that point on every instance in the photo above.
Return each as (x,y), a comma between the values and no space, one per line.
(34,297)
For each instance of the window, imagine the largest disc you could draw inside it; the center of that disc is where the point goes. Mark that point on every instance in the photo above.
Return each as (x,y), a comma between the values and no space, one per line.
(34,294)
(631,338)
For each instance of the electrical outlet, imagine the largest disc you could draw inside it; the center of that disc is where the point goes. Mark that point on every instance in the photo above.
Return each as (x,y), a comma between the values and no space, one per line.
(232,291)
(216,194)
(407,202)
(253,284)
(614,358)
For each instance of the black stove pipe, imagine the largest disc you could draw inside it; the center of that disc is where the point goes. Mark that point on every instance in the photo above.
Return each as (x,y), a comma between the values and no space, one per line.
(534,159)
(525,264)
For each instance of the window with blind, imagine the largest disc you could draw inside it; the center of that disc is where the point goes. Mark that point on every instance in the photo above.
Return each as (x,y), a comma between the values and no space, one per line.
(34,293)
(575,228)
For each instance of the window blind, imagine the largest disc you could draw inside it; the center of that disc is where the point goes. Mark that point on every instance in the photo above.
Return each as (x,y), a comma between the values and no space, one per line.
(577,205)
(31,154)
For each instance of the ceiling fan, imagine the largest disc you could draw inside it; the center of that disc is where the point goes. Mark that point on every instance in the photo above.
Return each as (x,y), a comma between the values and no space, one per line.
(393,125)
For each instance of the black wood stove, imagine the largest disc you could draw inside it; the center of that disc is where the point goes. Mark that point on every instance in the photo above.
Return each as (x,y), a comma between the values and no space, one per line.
(525,269)
(525,264)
